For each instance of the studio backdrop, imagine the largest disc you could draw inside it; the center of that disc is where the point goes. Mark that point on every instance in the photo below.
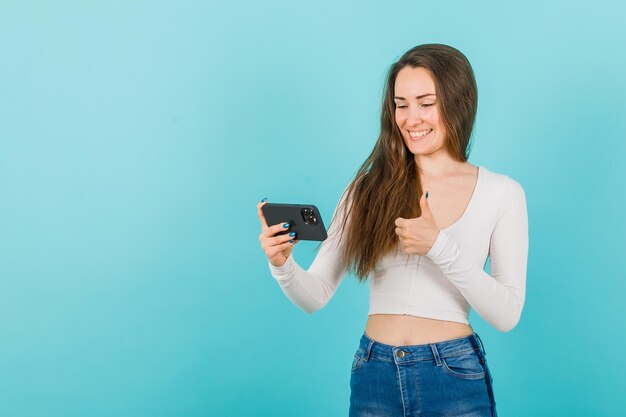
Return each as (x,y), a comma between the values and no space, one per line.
(136,138)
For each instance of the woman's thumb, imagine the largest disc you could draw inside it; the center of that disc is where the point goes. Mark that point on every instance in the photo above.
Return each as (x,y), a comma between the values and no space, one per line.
(424,204)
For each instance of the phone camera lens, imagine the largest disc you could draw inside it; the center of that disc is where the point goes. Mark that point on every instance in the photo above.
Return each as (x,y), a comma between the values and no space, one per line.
(308,214)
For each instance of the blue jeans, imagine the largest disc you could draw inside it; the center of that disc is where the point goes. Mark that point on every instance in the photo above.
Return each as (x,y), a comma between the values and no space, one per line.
(449,378)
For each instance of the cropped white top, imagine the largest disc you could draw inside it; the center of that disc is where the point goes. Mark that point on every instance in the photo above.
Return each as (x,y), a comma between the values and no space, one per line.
(450,279)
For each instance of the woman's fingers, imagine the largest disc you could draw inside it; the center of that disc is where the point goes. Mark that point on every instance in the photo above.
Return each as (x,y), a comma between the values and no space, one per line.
(273,250)
(269,237)
(278,248)
(272,230)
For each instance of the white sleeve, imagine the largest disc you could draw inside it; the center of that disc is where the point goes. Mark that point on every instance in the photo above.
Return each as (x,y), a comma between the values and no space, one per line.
(498,298)
(312,289)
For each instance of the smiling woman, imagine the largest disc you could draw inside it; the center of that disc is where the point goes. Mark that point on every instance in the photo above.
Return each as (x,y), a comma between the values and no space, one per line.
(423,252)
(417,117)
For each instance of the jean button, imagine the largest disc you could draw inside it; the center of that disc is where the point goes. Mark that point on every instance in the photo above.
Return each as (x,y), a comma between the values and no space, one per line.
(401,354)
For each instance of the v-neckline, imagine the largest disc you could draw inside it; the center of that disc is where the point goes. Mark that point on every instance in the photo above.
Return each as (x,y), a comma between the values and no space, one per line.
(471,200)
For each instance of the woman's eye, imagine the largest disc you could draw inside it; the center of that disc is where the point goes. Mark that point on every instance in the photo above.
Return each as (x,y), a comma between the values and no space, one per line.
(423,105)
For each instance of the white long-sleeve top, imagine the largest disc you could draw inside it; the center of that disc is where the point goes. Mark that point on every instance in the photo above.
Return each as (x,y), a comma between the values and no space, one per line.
(450,278)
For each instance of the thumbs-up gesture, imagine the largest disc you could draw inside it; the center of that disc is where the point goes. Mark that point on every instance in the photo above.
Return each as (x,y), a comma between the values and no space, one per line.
(418,235)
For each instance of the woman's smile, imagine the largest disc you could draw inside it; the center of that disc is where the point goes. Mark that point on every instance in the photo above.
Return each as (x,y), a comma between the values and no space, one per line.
(419,134)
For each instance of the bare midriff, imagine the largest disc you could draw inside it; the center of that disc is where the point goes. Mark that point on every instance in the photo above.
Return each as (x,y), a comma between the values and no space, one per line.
(402,330)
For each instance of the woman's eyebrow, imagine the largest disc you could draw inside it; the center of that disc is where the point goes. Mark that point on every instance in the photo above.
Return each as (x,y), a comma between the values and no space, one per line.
(418,97)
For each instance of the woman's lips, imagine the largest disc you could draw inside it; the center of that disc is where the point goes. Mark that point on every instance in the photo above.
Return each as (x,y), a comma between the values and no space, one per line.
(421,134)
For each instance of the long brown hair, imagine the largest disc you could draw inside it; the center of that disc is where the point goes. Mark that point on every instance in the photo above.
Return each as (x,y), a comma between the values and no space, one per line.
(387,185)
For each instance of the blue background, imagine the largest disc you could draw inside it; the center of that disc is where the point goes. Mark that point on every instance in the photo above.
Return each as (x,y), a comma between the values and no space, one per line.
(137,138)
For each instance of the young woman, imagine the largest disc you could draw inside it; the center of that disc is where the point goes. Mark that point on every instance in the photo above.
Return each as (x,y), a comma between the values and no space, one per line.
(419,221)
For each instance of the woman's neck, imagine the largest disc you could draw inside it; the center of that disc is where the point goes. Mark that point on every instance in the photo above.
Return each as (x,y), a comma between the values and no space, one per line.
(438,165)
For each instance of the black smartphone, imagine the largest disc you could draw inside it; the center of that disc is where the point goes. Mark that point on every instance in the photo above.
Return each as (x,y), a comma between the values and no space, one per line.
(304,219)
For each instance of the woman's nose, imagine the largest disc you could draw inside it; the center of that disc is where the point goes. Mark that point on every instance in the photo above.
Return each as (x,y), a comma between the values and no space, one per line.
(415,117)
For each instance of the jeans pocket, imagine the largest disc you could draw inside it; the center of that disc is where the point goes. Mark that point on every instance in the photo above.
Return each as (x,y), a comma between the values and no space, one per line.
(358,360)
(466,366)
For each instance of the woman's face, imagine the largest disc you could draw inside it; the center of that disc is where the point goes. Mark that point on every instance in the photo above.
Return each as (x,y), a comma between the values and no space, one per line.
(417,111)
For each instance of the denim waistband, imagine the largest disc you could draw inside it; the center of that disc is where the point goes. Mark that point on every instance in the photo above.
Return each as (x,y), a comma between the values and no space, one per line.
(410,353)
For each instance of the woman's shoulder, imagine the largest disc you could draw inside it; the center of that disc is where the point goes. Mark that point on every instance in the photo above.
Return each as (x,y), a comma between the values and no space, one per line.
(505,189)
(500,180)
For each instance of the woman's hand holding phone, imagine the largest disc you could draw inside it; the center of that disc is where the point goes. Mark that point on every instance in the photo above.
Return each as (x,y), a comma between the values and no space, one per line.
(276,248)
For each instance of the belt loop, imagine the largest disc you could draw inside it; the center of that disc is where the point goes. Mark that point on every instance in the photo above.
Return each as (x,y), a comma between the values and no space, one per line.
(481,343)
(368,352)
(435,354)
